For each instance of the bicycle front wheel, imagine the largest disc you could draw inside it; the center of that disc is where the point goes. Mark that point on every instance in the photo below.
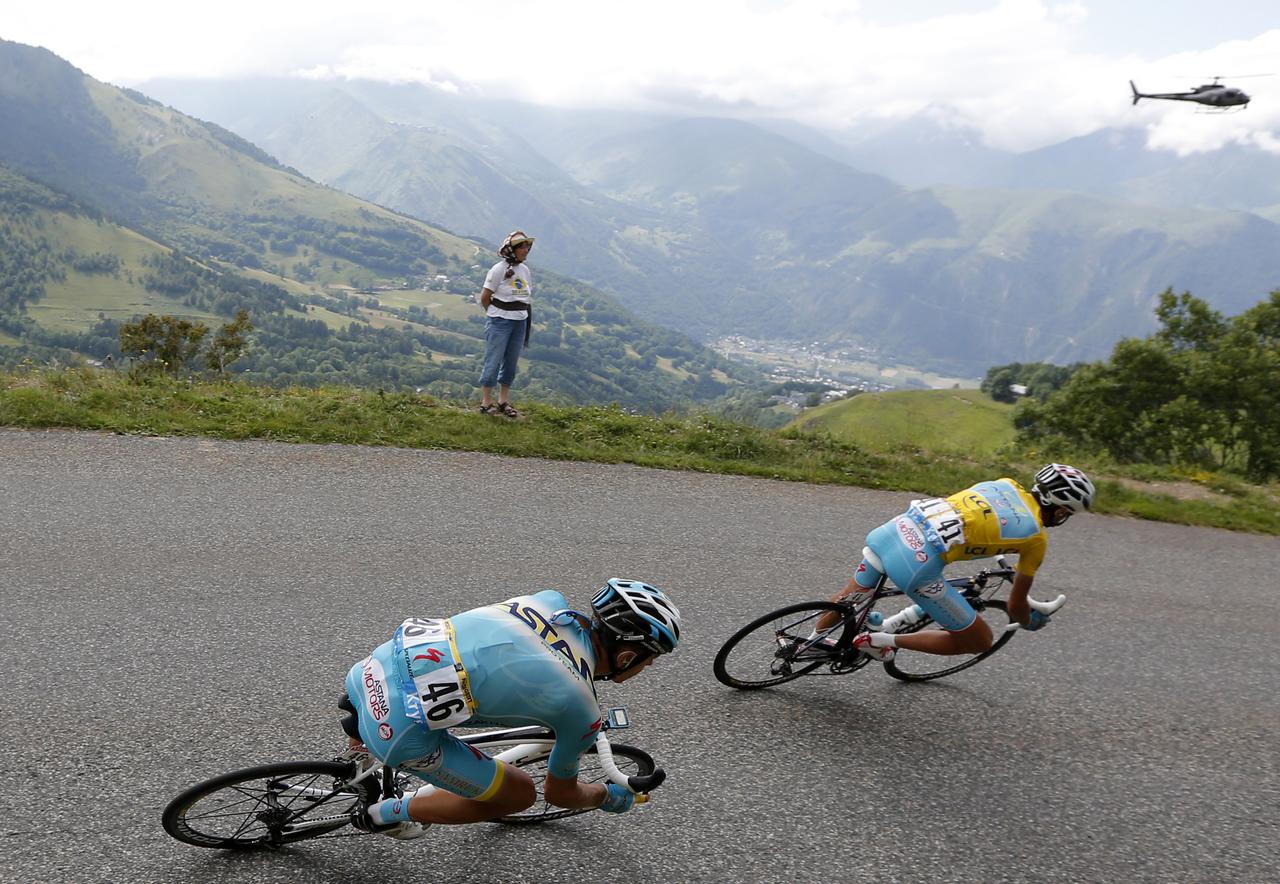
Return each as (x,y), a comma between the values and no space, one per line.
(910,665)
(775,648)
(630,760)
(264,807)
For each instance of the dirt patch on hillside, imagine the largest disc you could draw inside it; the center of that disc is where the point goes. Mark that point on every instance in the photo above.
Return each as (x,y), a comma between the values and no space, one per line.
(1180,490)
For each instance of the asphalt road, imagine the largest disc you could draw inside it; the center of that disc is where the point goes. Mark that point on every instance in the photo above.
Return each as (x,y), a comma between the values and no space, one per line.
(174,608)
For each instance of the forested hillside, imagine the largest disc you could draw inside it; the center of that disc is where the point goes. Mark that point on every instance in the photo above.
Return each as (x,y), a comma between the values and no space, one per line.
(113,205)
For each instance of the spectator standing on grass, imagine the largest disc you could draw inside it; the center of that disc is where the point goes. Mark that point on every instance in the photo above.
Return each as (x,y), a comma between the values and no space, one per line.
(508,303)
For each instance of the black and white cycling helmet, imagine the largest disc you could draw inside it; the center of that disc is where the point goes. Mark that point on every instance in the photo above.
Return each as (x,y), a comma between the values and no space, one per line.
(637,613)
(1060,485)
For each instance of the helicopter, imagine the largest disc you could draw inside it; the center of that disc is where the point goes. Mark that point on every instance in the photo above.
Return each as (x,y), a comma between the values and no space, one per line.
(1213,94)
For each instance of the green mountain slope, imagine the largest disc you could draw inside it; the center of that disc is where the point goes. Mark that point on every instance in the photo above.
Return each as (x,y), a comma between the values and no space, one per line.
(79,266)
(955,421)
(113,205)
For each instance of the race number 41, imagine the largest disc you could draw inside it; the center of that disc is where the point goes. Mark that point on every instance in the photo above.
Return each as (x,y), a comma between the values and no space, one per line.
(942,517)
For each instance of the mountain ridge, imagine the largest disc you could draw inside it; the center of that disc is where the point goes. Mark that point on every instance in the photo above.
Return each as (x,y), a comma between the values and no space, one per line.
(722,227)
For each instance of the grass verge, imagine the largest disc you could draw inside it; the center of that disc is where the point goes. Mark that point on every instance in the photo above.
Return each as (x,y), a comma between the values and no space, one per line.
(109,401)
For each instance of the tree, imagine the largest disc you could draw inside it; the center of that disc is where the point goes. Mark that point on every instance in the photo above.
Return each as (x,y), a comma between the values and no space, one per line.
(230,343)
(1112,405)
(1204,390)
(1187,323)
(163,342)
(1257,333)
(1040,379)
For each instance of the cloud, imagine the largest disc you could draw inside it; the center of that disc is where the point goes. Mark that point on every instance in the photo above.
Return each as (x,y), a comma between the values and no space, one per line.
(1020,71)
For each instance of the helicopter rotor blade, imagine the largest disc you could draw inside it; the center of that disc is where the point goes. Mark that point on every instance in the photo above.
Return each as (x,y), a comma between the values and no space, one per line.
(1221,76)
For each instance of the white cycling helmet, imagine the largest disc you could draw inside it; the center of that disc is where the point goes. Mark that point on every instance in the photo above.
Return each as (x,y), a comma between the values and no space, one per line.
(635,612)
(1060,485)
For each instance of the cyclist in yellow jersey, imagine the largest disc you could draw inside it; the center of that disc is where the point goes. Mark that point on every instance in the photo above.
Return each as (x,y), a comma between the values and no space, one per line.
(989,519)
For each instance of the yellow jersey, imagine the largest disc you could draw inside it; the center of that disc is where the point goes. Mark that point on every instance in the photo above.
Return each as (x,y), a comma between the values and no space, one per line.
(988,519)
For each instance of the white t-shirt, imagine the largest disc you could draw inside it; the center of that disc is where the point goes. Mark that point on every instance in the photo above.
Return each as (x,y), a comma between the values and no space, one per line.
(518,288)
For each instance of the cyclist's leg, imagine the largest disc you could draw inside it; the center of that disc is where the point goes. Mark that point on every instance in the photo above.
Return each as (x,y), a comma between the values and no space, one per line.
(916,567)
(965,632)
(866,577)
(466,786)
(470,786)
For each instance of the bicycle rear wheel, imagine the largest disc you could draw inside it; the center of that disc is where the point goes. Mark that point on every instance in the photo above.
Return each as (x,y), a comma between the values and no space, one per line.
(630,760)
(264,807)
(910,665)
(774,648)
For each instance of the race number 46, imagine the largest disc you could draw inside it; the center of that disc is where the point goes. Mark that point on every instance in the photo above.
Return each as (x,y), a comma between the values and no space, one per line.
(441,700)
(420,630)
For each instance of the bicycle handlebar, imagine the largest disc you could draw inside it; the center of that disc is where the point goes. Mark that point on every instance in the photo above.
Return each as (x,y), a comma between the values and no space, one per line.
(1045,608)
(641,785)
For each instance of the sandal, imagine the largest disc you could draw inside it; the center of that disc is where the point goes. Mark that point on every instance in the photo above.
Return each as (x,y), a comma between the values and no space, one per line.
(488,409)
(506,409)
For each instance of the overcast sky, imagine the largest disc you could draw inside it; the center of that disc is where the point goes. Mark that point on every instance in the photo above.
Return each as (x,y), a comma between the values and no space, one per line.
(1026,72)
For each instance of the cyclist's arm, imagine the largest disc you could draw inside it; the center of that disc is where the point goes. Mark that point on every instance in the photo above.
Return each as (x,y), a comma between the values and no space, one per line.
(1018,608)
(568,792)
(575,734)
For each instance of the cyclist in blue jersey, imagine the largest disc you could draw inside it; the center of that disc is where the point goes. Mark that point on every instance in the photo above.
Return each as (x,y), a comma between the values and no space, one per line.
(528,660)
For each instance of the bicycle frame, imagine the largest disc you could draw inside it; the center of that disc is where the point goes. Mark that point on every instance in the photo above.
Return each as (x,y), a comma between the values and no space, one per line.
(817,637)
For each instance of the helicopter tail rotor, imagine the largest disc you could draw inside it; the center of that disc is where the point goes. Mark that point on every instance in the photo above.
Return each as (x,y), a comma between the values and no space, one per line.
(1136,93)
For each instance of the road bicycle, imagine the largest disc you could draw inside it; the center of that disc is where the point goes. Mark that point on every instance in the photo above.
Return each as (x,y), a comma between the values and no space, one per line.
(269,806)
(780,646)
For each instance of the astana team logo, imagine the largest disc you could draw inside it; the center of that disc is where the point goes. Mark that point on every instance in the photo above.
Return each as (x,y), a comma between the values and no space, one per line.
(375,689)
(910,534)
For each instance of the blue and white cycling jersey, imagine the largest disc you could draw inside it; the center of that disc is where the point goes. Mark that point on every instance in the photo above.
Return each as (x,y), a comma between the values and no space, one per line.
(505,664)
(524,669)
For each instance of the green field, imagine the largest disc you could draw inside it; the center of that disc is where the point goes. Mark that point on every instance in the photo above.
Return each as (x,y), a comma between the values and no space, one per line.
(74,304)
(444,305)
(950,421)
